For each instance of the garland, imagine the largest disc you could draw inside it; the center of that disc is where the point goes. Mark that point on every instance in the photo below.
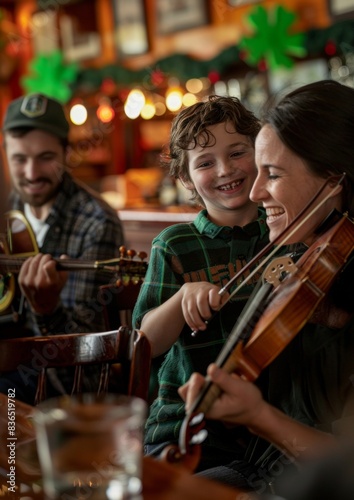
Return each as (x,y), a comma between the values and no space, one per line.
(315,42)
(50,74)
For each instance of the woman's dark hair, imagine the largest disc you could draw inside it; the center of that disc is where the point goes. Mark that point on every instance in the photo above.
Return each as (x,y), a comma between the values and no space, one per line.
(190,129)
(316,121)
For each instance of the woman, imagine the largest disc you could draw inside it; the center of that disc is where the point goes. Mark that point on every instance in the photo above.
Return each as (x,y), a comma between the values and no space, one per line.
(304,140)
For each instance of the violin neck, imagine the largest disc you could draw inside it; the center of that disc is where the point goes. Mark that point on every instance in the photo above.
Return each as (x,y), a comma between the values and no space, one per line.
(230,358)
(75,265)
(13,264)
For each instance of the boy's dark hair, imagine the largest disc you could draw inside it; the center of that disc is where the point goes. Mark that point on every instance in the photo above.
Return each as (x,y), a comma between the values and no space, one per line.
(190,129)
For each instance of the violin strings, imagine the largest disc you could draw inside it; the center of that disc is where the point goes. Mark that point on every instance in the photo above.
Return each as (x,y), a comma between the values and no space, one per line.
(283,242)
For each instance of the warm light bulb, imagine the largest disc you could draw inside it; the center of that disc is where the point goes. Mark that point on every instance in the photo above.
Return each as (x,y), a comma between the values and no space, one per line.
(131,111)
(105,113)
(78,114)
(220,88)
(134,103)
(205,83)
(234,88)
(148,111)
(160,108)
(189,99)
(174,100)
(194,85)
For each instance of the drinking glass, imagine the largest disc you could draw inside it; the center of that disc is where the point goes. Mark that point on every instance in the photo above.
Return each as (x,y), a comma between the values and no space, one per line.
(90,447)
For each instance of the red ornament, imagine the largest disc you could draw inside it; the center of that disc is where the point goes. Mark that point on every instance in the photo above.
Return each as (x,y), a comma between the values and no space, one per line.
(262,65)
(214,77)
(330,48)
(108,86)
(157,77)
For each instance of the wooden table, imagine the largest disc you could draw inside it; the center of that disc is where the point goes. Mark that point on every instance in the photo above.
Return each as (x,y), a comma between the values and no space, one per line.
(161,481)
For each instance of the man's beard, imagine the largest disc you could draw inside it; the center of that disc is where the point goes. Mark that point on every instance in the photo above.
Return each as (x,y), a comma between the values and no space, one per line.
(38,200)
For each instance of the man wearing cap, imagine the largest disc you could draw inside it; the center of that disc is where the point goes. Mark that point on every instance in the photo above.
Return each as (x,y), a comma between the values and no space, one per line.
(67,219)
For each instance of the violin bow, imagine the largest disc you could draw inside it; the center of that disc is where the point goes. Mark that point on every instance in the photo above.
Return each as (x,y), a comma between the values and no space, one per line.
(278,242)
(192,431)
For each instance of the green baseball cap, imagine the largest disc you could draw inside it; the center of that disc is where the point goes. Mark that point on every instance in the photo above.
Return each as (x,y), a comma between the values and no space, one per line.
(37,111)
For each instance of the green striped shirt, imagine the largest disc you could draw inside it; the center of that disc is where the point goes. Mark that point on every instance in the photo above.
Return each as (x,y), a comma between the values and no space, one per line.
(197,251)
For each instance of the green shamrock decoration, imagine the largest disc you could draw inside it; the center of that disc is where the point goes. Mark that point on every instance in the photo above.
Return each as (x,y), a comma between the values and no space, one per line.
(271,41)
(51,76)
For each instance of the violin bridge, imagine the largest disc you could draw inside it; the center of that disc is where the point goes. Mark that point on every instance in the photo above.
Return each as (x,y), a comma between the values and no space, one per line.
(276,270)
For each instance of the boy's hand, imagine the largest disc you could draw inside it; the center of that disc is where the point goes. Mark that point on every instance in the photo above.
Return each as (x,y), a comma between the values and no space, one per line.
(199,301)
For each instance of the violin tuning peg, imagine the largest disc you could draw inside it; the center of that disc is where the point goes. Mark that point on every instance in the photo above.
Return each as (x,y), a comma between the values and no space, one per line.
(142,255)
(131,253)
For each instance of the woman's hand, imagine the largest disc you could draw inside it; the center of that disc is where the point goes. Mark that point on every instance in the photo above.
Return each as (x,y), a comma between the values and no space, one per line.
(240,401)
(199,301)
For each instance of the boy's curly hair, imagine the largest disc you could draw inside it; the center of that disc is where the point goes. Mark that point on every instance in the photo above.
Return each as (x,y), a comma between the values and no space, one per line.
(190,128)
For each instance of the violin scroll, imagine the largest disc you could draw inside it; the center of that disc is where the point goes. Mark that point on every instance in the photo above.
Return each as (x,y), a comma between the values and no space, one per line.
(187,453)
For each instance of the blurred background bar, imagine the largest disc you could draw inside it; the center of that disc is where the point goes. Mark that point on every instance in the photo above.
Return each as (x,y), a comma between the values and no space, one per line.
(124,68)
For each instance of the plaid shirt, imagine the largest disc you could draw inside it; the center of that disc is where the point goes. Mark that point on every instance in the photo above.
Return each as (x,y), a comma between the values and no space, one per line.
(83,227)
(198,251)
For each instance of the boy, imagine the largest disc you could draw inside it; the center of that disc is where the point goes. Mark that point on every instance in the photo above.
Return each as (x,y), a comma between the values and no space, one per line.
(212,153)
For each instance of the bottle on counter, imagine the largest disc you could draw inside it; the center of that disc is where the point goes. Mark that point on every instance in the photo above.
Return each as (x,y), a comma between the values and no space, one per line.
(168,194)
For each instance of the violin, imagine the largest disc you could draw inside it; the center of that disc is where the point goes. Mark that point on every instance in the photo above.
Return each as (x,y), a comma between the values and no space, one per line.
(120,264)
(20,243)
(274,318)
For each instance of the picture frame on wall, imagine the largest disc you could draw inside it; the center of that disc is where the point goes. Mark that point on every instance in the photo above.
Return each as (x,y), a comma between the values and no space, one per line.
(45,33)
(341,9)
(177,15)
(130,33)
(239,3)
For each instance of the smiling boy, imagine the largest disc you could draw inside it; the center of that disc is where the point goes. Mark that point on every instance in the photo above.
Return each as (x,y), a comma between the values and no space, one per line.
(211,151)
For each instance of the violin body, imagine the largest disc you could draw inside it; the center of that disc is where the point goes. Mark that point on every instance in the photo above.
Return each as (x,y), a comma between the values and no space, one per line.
(19,243)
(287,309)
(7,281)
(295,300)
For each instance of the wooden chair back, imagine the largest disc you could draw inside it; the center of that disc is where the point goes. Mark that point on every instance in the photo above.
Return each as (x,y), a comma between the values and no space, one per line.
(127,349)
(118,302)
